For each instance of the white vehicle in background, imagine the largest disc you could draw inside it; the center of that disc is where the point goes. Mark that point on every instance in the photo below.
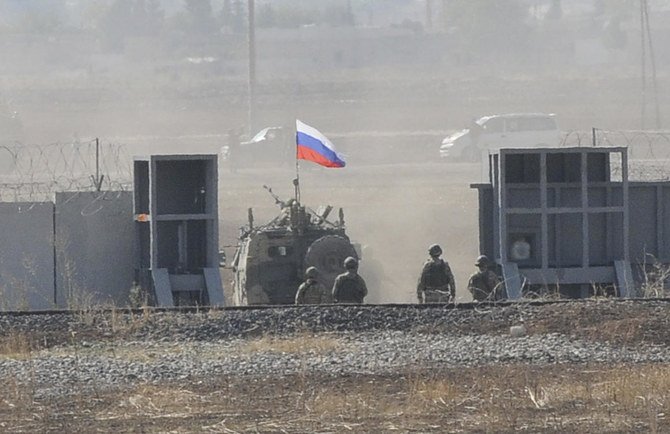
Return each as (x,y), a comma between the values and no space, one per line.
(269,145)
(490,133)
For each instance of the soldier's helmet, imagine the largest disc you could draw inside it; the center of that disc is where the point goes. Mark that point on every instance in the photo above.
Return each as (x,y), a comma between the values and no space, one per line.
(350,263)
(312,272)
(435,250)
(482,260)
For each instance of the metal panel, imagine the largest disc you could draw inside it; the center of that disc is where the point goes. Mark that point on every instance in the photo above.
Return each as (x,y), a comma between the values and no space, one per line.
(569,275)
(643,214)
(624,279)
(26,256)
(598,235)
(486,226)
(162,287)
(214,286)
(665,224)
(187,282)
(526,197)
(570,241)
(94,248)
(512,280)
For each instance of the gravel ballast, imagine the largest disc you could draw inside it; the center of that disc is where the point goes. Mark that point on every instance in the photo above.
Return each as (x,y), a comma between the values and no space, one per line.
(102,350)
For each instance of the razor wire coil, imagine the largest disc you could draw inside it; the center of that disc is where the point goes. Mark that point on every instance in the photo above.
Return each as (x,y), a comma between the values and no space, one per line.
(35,173)
(648,151)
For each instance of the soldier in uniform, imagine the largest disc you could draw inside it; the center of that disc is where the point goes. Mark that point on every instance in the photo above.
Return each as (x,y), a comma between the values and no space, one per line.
(484,284)
(349,287)
(312,291)
(437,283)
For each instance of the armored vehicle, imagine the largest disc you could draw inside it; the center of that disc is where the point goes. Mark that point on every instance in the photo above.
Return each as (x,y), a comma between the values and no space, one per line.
(271,259)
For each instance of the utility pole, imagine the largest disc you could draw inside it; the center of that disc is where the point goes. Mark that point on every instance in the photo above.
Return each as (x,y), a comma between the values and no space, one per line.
(429,14)
(97,178)
(647,44)
(251,39)
(643,65)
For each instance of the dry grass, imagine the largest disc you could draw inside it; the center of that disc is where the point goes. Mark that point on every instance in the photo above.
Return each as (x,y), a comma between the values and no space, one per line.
(16,345)
(655,278)
(302,343)
(492,399)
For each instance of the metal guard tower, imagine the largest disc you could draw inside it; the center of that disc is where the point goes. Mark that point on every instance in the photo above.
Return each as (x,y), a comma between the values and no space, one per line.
(176,229)
(569,218)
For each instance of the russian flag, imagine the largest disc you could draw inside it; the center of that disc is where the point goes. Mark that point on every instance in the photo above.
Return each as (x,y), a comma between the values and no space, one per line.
(314,146)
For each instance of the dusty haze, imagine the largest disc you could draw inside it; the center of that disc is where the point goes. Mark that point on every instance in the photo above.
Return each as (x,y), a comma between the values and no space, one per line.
(385,79)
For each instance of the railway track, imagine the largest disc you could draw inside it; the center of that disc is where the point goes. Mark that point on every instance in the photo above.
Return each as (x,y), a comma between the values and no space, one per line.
(201,309)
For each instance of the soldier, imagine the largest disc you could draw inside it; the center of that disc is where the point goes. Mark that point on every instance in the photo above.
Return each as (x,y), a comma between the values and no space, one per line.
(484,284)
(312,291)
(437,283)
(349,287)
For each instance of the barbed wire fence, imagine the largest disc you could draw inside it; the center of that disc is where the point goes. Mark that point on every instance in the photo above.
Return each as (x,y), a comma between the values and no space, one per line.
(34,173)
(648,151)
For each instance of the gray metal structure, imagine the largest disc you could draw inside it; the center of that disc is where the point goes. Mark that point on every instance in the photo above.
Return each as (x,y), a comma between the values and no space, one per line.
(570,218)
(176,229)
(94,248)
(27,256)
(75,252)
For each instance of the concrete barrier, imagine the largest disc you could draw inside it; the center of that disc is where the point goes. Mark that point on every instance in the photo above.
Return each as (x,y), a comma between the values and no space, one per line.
(26,256)
(94,248)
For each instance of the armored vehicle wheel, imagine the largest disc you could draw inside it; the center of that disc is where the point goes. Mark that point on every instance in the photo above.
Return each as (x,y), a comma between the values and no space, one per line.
(328,254)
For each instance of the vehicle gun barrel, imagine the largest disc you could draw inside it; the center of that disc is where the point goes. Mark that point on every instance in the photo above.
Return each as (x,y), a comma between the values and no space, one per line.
(278,201)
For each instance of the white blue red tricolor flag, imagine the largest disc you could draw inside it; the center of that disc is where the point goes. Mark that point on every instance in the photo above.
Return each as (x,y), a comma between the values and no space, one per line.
(314,146)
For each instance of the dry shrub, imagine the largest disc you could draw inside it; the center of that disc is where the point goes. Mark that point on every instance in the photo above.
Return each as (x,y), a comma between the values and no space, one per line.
(16,398)
(121,323)
(353,402)
(216,313)
(425,392)
(295,345)
(16,345)
(639,388)
(614,395)
(655,277)
(151,399)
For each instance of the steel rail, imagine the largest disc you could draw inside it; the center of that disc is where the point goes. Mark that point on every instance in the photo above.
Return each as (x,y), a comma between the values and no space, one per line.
(390,306)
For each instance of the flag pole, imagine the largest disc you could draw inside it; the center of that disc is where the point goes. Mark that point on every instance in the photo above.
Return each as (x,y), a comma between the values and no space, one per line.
(296,181)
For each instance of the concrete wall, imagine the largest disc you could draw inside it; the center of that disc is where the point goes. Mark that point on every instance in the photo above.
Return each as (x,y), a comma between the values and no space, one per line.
(26,256)
(94,248)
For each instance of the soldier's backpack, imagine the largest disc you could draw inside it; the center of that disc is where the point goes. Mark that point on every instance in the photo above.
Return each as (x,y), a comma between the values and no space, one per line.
(435,273)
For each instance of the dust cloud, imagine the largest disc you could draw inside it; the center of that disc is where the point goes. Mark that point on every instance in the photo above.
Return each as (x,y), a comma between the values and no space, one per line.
(384,80)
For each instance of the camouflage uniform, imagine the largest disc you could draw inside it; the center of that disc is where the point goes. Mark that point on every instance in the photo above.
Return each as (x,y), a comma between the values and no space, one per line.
(312,292)
(484,284)
(349,287)
(437,283)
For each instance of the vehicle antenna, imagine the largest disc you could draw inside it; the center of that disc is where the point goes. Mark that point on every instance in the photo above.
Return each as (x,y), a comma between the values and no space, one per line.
(296,181)
(296,185)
